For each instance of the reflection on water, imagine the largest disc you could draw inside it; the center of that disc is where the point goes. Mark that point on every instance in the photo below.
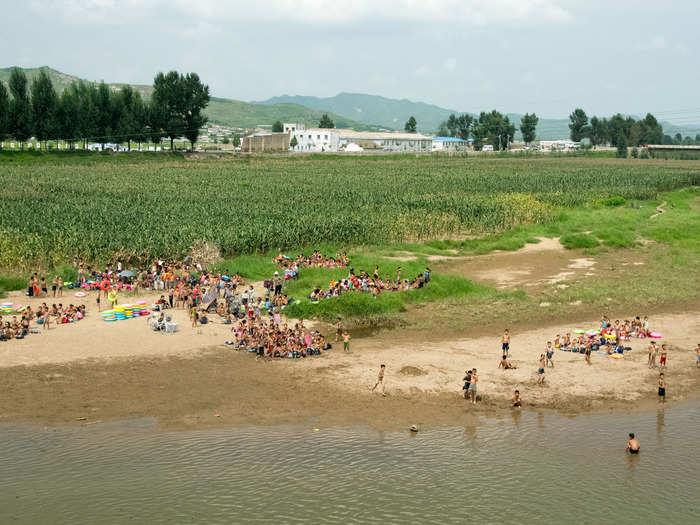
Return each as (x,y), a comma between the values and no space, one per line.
(545,469)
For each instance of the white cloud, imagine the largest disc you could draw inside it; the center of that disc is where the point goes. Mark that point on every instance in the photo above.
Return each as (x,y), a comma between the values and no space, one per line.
(475,12)
(450,65)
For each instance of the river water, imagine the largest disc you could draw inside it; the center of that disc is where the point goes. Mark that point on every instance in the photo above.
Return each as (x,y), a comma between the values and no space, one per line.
(522,468)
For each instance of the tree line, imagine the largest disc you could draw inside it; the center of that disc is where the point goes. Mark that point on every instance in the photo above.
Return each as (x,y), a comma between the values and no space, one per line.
(488,128)
(617,131)
(88,112)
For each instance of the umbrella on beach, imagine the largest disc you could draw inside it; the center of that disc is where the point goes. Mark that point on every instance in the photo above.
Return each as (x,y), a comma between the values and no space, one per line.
(126,273)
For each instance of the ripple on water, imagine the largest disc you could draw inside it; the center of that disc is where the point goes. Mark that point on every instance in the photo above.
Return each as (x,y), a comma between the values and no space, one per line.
(527,469)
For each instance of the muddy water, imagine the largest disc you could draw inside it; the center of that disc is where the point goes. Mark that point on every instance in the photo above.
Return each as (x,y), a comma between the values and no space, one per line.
(524,468)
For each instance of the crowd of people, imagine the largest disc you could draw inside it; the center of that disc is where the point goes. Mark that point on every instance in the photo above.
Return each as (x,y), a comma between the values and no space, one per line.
(270,339)
(45,316)
(315,260)
(374,284)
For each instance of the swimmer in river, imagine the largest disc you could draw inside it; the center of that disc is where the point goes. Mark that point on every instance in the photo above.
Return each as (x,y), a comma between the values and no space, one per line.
(632,444)
(517,403)
(505,342)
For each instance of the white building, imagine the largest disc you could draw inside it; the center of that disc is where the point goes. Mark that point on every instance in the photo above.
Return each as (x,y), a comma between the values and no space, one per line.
(386,141)
(450,144)
(315,139)
(292,127)
(333,140)
(558,145)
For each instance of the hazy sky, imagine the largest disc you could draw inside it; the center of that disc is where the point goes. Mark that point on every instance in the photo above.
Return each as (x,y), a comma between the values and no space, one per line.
(547,56)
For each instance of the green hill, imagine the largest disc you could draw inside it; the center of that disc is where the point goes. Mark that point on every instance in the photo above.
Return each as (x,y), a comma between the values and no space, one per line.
(223,111)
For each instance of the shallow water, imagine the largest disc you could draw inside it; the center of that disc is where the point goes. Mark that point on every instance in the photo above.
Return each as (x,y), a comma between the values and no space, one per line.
(525,468)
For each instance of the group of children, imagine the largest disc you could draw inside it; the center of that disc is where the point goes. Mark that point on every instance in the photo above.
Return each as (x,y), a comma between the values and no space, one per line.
(270,339)
(363,282)
(315,260)
(19,328)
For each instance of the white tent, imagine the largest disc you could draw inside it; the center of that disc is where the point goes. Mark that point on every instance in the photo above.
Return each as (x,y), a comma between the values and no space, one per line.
(353,148)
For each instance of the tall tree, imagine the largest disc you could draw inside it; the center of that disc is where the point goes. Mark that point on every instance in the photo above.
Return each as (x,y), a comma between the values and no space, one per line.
(196,99)
(411,124)
(4,113)
(452,125)
(294,142)
(464,126)
(44,106)
(326,122)
(68,115)
(599,131)
(20,107)
(104,103)
(653,133)
(277,127)
(528,126)
(578,125)
(169,101)
(494,128)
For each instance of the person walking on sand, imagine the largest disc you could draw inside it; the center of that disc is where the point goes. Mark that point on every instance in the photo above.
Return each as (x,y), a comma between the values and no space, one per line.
(588,353)
(697,356)
(662,387)
(505,343)
(663,357)
(194,315)
(338,329)
(380,380)
(540,370)
(632,444)
(473,386)
(467,382)
(549,353)
(651,363)
(346,341)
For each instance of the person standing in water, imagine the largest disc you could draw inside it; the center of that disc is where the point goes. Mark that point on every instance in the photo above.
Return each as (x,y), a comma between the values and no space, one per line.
(517,403)
(632,444)
(662,387)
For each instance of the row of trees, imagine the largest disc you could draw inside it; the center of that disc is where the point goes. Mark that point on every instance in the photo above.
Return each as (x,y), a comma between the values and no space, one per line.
(617,131)
(97,113)
(493,128)
(680,140)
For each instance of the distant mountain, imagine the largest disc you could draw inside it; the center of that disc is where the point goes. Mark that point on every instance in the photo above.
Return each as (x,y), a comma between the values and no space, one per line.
(393,113)
(222,111)
(373,109)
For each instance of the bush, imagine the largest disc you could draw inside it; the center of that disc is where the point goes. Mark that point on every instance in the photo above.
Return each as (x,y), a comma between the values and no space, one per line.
(635,153)
(612,201)
(573,241)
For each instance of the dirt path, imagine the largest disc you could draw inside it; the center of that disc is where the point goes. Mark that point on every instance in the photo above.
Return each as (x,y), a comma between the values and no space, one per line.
(659,210)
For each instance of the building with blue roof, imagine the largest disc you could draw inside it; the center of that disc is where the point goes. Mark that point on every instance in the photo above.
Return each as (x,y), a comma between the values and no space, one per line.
(451,144)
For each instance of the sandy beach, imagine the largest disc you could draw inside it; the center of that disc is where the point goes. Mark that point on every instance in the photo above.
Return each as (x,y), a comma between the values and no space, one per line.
(94,371)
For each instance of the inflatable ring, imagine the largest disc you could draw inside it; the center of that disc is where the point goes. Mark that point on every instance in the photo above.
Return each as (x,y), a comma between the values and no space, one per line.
(80,294)
(104,286)
(655,335)
(579,331)
(616,356)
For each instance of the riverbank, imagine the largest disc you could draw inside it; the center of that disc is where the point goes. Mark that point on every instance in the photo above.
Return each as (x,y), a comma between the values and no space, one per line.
(93,371)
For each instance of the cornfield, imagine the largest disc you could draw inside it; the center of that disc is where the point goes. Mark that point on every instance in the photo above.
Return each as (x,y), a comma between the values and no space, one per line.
(140,209)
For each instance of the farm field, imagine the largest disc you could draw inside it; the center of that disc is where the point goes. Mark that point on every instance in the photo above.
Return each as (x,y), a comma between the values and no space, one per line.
(144,206)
